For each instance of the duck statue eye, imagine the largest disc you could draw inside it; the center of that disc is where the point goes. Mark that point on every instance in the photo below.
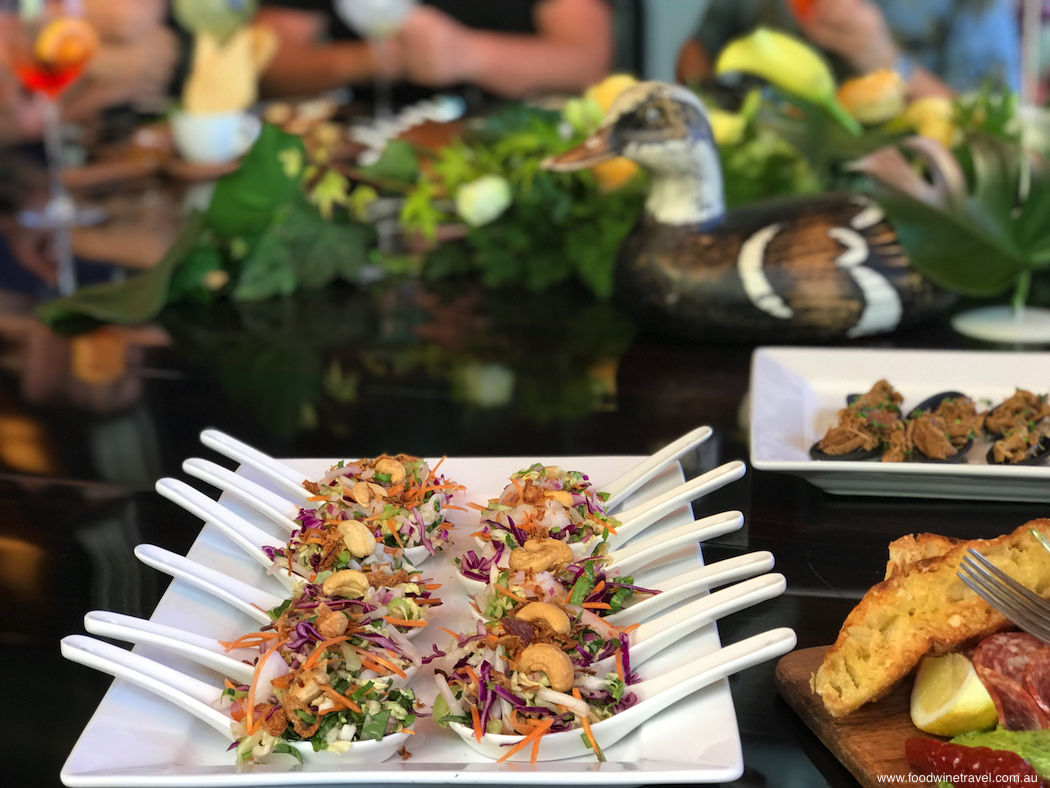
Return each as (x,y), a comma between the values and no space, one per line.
(653,116)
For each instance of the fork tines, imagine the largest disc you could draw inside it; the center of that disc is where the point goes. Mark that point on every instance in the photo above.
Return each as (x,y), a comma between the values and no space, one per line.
(1027,610)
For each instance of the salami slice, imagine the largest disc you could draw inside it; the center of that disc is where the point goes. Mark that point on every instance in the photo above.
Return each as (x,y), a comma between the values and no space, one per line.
(1007,653)
(1017,710)
(1037,679)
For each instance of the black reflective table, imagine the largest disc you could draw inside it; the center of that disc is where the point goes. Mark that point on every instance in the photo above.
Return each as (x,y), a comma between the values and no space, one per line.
(87,424)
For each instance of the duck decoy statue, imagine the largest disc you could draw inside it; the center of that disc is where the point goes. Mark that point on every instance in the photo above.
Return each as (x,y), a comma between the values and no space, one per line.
(798,269)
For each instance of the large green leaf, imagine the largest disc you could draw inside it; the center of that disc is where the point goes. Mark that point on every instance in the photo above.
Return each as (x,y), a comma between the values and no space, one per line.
(244,201)
(950,249)
(266,272)
(136,300)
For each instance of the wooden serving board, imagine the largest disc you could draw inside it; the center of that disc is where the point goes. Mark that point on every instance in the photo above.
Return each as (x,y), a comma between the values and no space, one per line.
(870,741)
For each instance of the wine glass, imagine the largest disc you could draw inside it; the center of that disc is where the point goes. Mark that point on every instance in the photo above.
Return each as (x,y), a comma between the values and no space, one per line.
(47,44)
(378,21)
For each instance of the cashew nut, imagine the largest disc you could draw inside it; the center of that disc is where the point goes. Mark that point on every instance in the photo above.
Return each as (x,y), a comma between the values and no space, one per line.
(539,555)
(357,538)
(564,497)
(364,492)
(392,468)
(331,623)
(554,616)
(307,686)
(548,659)
(346,583)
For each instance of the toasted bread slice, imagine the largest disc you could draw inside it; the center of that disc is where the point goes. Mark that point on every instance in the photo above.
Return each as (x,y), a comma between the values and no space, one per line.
(911,548)
(923,607)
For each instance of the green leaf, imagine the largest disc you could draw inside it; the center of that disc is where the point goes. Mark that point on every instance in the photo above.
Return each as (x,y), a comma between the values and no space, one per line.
(244,201)
(446,260)
(287,749)
(375,728)
(266,272)
(188,280)
(950,249)
(399,162)
(137,300)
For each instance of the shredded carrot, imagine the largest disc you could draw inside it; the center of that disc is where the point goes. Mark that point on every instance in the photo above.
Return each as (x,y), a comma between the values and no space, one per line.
(435,468)
(432,586)
(586,724)
(450,506)
(230,685)
(611,529)
(392,525)
(318,498)
(619,663)
(450,632)
(631,628)
(598,588)
(324,644)
(241,641)
(473,675)
(392,550)
(258,722)
(521,493)
(396,490)
(441,487)
(513,596)
(480,535)
(282,682)
(376,658)
(409,731)
(420,601)
(255,681)
(477,723)
(477,506)
(403,622)
(373,517)
(312,540)
(492,638)
(597,605)
(536,734)
(536,749)
(238,715)
(336,697)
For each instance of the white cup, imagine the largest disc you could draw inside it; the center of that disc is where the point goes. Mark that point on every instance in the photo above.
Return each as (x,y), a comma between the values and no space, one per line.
(214,138)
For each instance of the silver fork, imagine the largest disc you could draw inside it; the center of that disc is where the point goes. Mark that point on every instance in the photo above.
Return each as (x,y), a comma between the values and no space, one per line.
(1027,610)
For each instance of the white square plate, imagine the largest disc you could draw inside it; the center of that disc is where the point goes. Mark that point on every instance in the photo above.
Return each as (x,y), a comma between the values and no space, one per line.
(135,739)
(796,393)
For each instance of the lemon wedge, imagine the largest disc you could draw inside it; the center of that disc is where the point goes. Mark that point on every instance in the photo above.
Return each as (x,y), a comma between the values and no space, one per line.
(948,699)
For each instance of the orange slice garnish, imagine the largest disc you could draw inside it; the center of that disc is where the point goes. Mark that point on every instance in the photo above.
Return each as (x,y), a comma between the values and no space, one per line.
(66,42)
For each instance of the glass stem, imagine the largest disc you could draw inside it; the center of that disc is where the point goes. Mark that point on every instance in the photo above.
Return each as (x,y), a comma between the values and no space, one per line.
(53,145)
(60,209)
(384,105)
(1024,283)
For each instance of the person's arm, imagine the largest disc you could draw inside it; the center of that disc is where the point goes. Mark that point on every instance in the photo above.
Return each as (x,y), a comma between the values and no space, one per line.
(303,65)
(984,43)
(856,31)
(571,49)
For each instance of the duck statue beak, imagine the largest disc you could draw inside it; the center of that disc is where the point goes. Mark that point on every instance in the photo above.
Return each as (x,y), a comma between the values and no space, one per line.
(594,150)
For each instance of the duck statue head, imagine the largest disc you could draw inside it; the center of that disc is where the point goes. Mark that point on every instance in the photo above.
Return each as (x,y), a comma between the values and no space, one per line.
(805,268)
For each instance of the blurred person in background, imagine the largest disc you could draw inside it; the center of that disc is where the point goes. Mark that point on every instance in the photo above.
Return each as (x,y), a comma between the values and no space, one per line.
(939,46)
(504,47)
(135,62)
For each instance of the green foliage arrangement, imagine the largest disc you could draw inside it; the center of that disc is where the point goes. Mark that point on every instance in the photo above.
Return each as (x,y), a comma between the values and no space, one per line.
(269,231)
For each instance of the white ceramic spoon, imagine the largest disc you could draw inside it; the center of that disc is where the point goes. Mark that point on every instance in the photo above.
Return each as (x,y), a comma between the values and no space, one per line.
(627,559)
(634,521)
(197,697)
(688,585)
(684,586)
(246,598)
(250,600)
(285,477)
(266,502)
(655,635)
(621,487)
(196,648)
(654,695)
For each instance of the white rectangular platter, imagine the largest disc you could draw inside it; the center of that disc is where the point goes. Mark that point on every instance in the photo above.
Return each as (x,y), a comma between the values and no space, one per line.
(796,393)
(135,739)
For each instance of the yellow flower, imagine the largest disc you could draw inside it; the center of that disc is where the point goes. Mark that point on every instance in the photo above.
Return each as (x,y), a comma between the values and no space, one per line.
(728,127)
(609,89)
(790,65)
(874,98)
(933,117)
(611,175)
